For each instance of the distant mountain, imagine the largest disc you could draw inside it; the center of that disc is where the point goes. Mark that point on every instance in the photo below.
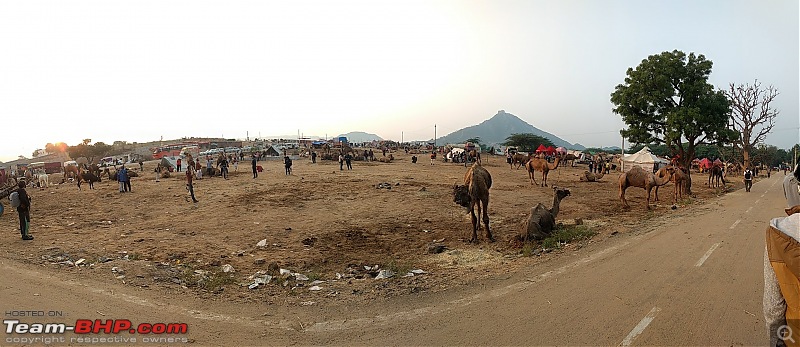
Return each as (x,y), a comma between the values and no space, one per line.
(360,136)
(496,129)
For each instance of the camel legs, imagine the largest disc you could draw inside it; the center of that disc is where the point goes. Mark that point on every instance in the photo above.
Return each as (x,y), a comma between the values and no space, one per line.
(484,212)
(544,178)
(647,201)
(622,197)
(486,219)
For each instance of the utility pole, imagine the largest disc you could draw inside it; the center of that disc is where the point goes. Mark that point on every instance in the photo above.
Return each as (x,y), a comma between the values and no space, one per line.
(621,159)
(434,137)
(401,137)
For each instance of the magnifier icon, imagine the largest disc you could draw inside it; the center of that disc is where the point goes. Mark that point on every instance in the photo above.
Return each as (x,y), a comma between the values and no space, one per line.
(785,333)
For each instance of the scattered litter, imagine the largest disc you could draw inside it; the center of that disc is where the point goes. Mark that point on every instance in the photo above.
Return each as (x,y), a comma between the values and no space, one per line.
(285,272)
(100,313)
(436,248)
(104,259)
(384,274)
(227,268)
(300,277)
(384,185)
(117,270)
(262,243)
(418,272)
(200,272)
(317,282)
(80,261)
(315,288)
(307,303)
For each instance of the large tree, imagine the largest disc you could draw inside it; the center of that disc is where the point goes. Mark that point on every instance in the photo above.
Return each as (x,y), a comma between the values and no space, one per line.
(752,115)
(667,100)
(527,142)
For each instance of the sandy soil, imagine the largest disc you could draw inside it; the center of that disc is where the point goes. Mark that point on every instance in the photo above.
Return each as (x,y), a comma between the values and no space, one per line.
(323,223)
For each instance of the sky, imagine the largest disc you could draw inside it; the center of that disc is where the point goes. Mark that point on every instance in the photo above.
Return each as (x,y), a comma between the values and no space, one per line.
(139,70)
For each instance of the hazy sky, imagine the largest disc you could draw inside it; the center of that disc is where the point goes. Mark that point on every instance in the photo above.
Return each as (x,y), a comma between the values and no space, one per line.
(138,70)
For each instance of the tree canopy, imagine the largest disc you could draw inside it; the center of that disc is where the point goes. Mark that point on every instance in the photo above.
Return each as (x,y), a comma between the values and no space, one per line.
(527,142)
(667,100)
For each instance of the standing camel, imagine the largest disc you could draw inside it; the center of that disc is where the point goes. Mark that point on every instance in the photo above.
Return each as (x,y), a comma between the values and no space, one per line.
(638,177)
(680,178)
(475,193)
(715,175)
(519,159)
(473,156)
(541,165)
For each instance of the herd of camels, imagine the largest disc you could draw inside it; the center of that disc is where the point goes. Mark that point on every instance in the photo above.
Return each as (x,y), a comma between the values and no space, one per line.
(474,193)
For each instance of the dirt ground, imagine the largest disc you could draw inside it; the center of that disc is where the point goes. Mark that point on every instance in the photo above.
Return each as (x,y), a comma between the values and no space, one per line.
(338,228)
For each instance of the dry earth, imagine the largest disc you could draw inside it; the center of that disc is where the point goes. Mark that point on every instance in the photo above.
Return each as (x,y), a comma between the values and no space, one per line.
(320,222)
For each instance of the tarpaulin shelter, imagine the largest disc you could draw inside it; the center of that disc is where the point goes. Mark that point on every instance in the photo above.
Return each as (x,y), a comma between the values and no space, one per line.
(705,164)
(541,148)
(561,150)
(550,150)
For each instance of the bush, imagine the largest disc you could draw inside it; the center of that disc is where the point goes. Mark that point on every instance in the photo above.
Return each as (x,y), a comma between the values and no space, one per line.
(567,234)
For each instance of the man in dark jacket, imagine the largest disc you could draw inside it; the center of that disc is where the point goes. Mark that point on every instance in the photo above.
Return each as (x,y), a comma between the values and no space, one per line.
(24,211)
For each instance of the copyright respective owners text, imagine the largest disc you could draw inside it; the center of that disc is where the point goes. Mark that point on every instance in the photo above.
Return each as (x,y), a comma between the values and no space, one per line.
(49,327)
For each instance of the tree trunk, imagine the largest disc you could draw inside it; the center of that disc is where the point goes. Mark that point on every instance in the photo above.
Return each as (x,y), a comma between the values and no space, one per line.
(746,156)
(687,163)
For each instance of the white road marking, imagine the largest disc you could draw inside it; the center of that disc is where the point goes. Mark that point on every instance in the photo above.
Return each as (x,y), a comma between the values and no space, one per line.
(757,201)
(735,224)
(640,327)
(762,195)
(705,256)
(749,209)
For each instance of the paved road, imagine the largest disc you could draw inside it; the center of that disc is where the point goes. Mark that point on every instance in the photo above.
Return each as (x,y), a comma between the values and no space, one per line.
(696,281)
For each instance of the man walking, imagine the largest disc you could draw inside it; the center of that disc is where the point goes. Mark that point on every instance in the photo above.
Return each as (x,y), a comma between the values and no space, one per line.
(748,179)
(178,165)
(255,171)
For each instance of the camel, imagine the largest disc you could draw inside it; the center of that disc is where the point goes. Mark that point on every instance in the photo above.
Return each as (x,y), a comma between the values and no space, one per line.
(475,192)
(638,177)
(679,178)
(70,172)
(519,159)
(472,156)
(592,177)
(541,221)
(715,175)
(386,159)
(570,158)
(541,165)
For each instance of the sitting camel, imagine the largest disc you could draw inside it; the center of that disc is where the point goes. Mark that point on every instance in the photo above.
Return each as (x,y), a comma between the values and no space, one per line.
(541,221)
(592,177)
(638,177)
(475,192)
(541,165)
(386,159)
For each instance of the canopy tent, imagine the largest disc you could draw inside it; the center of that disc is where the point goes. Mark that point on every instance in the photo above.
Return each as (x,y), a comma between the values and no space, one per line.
(541,148)
(718,162)
(644,159)
(169,163)
(705,164)
(550,150)
(561,150)
(273,152)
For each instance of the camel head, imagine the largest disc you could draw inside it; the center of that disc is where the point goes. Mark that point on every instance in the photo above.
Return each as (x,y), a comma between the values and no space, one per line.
(461,195)
(561,192)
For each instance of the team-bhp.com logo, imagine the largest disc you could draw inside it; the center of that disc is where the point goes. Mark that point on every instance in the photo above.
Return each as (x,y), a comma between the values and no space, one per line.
(93,327)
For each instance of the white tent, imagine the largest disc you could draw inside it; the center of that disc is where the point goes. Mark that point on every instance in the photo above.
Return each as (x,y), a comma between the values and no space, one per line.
(644,159)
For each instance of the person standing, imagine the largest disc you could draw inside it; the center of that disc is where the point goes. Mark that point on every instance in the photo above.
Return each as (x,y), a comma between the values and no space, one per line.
(287,163)
(141,166)
(178,165)
(158,171)
(209,167)
(348,159)
(122,176)
(223,167)
(341,162)
(24,211)
(127,181)
(748,179)
(198,169)
(189,186)
(433,157)
(781,269)
(313,157)
(255,166)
